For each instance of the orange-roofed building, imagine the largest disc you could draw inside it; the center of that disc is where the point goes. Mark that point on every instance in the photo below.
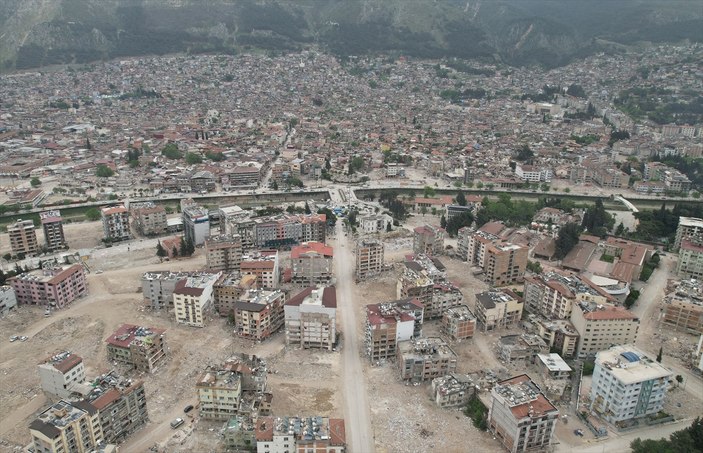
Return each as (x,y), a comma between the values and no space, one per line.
(312,263)
(601,326)
(300,434)
(55,286)
(520,416)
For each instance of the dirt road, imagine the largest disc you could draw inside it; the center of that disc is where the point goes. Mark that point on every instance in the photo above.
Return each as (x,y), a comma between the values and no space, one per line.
(357,414)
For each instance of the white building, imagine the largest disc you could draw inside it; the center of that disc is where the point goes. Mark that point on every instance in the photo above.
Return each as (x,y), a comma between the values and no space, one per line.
(196,224)
(116,223)
(193,299)
(60,373)
(375,223)
(627,384)
(311,318)
(532,173)
(691,229)
(8,300)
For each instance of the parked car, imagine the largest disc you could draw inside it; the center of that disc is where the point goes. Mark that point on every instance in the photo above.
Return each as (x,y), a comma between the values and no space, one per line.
(177,422)
(14,338)
(188,408)
(578,432)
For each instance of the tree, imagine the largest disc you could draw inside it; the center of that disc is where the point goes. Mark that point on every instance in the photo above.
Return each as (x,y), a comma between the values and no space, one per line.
(679,379)
(103,171)
(184,247)
(307,208)
(461,199)
(87,143)
(92,214)
(659,354)
(160,250)
(274,185)
(688,440)
(459,221)
(35,182)
(443,222)
(356,164)
(174,252)
(567,239)
(193,158)
(171,151)
(429,192)
(524,154)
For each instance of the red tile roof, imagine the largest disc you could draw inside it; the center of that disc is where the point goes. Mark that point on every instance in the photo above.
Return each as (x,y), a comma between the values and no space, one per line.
(311,248)
(337,432)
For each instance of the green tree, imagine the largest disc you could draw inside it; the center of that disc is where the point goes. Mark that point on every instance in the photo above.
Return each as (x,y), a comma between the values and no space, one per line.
(160,250)
(92,214)
(459,221)
(171,151)
(567,239)
(184,247)
(35,182)
(443,222)
(193,158)
(659,354)
(356,164)
(215,156)
(429,192)
(524,154)
(103,171)
(461,199)
(688,440)
(388,227)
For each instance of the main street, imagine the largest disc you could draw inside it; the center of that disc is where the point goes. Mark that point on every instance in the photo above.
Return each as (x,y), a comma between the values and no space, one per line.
(357,415)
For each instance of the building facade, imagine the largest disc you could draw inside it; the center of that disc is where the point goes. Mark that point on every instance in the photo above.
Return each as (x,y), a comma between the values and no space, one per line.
(690,263)
(259,314)
(458,323)
(691,229)
(387,324)
(425,358)
(311,263)
(264,265)
(496,309)
(196,224)
(149,219)
(143,348)
(60,374)
(369,258)
(223,253)
(23,238)
(228,289)
(193,299)
(311,318)
(52,224)
(8,299)
(602,326)
(300,435)
(428,240)
(115,223)
(54,286)
(68,427)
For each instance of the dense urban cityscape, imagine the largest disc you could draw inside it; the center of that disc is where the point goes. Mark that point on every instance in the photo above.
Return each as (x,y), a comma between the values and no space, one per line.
(278,252)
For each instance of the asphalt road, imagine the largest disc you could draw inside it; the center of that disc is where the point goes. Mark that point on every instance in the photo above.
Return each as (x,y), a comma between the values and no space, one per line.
(357,414)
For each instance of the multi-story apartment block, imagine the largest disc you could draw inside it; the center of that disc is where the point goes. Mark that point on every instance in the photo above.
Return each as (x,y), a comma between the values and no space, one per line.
(68,427)
(458,322)
(610,177)
(148,218)
(553,366)
(223,253)
(300,434)
(627,385)
(532,173)
(311,318)
(424,278)
(60,374)
(287,230)
(453,390)
(374,223)
(522,348)
(428,240)
(263,264)
(496,309)
(690,263)
(388,324)
(8,299)
(559,335)
(425,358)
(55,286)
(259,314)
(242,176)
(690,229)
(219,394)
(369,258)
(115,223)
(553,294)
(196,224)
(601,326)
(505,263)
(121,405)
(228,289)
(683,308)
(312,263)
(520,416)
(158,286)
(235,220)
(193,299)
(143,348)
(23,238)
(52,224)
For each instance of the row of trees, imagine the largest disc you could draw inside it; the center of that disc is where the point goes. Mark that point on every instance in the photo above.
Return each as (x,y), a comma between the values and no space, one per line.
(187,249)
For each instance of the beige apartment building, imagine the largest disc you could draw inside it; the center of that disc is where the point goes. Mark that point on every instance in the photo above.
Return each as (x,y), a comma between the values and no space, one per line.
(428,240)
(684,314)
(690,263)
(219,394)
(60,374)
(265,266)
(459,323)
(149,219)
(389,323)
(496,309)
(311,318)
(602,326)
(141,347)
(505,263)
(259,314)
(223,253)
(552,294)
(228,289)
(193,299)
(690,229)
(52,224)
(369,258)
(425,358)
(116,223)
(68,427)
(23,238)
(311,263)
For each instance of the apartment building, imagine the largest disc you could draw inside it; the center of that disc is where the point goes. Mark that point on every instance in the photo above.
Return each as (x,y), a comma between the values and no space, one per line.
(389,323)
(690,229)
(242,176)
(121,405)
(453,390)
(259,314)
(374,223)
(610,177)
(52,224)
(235,220)
(532,173)
(300,434)
(690,263)
(683,308)
(369,258)
(223,253)
(54,286)
(560,335)
(149,219)
(505,263)
(228,289)
(68,427)
(60,374)
(287,230)
(263,264)
(420,273)
(142,348)
(627,385)
(458,323)
(115,223)
(496,309)
(8,299)
(553,294)
(520,416)
(311,318)
(428,240)
(23,238)
(425,358)
(196,224)
(523,348)
(312,263)
(193,299)
(219,394)
(158,287)
(601,326)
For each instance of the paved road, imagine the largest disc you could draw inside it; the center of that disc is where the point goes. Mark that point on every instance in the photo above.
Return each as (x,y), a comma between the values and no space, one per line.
(357,415)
